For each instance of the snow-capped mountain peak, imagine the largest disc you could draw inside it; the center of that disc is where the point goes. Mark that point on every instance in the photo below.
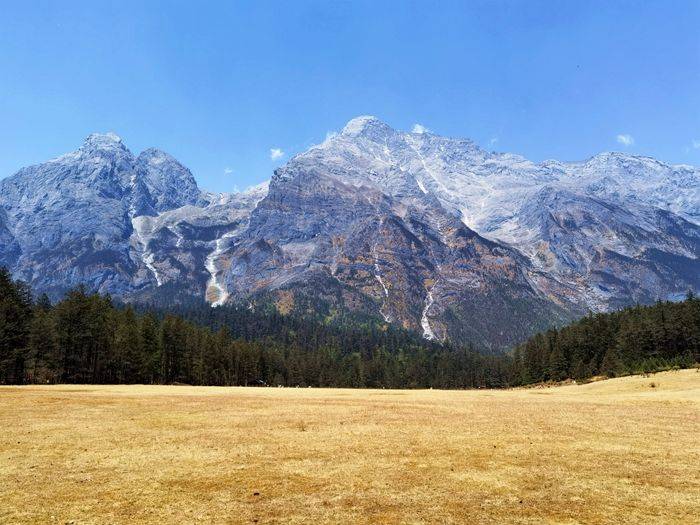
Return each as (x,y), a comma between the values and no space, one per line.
(366,125)
(103,141)
(431,232)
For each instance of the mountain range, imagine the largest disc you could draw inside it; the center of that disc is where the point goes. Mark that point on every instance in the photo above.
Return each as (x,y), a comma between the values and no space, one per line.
(432,233)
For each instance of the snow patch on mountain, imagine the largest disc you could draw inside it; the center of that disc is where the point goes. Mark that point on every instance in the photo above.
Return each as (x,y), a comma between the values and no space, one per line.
(424,321)
(143,228)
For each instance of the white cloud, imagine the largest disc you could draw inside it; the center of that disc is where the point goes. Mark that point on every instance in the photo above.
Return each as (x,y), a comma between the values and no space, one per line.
(493,141)
(696,143)
(625,139)
(228,171)
(420,128)
(276,153)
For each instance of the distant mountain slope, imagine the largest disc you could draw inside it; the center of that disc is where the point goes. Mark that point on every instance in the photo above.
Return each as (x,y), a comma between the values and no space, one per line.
(432,233)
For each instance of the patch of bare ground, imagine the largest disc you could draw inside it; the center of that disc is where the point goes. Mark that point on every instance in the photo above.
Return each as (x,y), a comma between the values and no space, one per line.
(617,451)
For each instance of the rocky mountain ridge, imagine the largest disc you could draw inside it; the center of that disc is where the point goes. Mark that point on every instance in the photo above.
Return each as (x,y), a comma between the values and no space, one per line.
(431,232)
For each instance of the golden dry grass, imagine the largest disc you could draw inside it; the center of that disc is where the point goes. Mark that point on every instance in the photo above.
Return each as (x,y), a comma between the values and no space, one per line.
(616,451)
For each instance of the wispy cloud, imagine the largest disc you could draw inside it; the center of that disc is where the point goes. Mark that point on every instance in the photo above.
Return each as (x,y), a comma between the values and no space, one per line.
(493,141)
(228,171)
(696,143)
(276,153)
(625,139)
(420,128)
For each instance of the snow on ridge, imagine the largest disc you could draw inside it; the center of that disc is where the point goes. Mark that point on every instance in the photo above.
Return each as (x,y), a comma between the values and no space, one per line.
(214,284)
(357,124)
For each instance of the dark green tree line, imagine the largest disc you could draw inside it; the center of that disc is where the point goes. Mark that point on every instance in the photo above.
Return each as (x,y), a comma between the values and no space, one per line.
(87,338)
(634,340)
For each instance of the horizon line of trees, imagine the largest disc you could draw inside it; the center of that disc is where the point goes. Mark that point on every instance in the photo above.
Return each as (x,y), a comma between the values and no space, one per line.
(634,340)
(87,338)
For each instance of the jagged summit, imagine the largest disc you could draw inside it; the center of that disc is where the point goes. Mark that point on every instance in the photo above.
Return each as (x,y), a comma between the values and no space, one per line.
(97,141)
(367,125)
(170,184)
(110,136)
(156,155)
(357,125)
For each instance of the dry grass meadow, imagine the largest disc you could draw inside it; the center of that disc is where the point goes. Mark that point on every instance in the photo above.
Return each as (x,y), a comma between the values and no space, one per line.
(617,451)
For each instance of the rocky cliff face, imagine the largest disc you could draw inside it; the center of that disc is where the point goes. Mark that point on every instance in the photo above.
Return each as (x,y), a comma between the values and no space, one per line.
(117,223)
(430,232)
(168,182)
(69,217)
(350,224)
(9,251)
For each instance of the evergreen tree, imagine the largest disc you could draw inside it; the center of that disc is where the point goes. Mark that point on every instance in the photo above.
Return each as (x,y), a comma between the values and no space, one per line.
(43,352)
(150,349)
(15,312)
(127,343)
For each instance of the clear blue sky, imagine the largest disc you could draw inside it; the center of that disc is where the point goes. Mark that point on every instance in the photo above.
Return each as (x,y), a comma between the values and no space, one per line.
(219,84)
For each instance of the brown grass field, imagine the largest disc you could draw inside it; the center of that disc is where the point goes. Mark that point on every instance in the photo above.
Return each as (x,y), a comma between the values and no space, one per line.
(616,451)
